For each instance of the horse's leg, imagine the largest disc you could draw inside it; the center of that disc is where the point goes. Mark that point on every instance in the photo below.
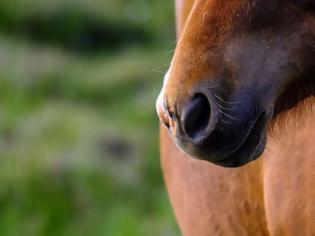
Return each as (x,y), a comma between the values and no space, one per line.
(289,174)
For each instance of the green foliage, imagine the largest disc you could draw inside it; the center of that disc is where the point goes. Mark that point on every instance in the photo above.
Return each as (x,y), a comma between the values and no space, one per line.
(88,25)
(78,132)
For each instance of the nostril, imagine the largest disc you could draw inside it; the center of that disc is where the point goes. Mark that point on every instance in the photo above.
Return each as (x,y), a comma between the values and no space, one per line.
(196,116)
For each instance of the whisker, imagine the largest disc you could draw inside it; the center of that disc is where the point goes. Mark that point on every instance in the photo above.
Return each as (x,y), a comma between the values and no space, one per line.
(165,53)
(226,102)
(158,71)
(170,49)
(225,121)
(213,86)
(224,108)
(227,115)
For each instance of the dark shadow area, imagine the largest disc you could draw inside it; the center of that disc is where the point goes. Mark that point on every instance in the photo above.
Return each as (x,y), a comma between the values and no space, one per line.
(75,30)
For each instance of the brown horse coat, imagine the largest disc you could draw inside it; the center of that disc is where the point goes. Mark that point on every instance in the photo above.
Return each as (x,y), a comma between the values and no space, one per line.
(274,195)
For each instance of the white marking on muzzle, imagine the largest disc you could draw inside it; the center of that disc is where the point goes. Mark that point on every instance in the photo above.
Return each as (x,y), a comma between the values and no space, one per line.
(160,100)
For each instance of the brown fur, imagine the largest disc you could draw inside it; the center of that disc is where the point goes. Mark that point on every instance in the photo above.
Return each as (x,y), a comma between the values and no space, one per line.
(274,195)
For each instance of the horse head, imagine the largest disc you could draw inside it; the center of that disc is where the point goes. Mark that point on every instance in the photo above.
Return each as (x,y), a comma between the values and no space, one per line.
(237,65)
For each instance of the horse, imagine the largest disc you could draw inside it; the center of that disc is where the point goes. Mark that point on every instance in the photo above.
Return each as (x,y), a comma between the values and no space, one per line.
(237,111)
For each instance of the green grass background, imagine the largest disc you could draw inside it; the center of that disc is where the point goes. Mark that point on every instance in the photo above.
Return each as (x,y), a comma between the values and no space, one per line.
(78,131)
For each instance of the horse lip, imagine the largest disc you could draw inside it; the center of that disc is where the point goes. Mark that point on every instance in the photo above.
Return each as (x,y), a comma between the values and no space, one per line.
(235,161)
(253,150)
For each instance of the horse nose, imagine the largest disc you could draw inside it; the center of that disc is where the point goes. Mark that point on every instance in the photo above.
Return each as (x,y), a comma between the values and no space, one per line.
(195,117)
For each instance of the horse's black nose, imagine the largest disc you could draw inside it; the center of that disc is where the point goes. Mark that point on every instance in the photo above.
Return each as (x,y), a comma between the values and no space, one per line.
(195,117)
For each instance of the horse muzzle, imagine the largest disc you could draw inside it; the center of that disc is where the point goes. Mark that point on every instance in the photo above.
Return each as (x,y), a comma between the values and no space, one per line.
(216,127)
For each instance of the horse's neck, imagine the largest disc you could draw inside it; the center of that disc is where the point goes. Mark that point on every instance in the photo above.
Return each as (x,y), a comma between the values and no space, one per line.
(288,171)
(294,131)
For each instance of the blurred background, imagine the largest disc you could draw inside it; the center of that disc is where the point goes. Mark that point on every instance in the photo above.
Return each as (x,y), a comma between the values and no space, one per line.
(78,130)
